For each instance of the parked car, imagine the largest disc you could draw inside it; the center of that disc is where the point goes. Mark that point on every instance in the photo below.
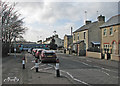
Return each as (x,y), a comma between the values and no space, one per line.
(48,56)
(38,53)
(26,49)
(34,51)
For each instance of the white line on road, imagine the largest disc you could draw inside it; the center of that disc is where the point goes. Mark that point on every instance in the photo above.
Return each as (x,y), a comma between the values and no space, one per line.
(75,78)
(32,67)
(86,64)
(50,65)
(105,73)
(88,60)
(106,69)
(45,68)
(43,65)
(72,76)
(48,68)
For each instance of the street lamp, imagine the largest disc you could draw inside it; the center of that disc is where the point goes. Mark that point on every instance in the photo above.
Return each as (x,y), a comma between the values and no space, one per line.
(15,46)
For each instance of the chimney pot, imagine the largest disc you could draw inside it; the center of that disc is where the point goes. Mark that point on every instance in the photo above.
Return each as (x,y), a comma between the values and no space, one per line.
(87,22)
(101,18)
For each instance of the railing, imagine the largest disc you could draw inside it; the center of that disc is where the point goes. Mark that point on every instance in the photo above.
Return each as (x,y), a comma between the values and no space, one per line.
(94,49)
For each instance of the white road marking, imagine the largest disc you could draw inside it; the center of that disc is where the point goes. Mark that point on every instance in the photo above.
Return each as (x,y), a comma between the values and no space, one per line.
(50,65)
(45,68)
(32,67)
(70,75)
(106,69)
(43,65)
(105,73)
(86,64)
(48,68)
(75,78)
(88,60)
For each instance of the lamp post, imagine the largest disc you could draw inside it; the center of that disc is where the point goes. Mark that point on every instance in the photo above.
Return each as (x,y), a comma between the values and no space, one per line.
(15,46)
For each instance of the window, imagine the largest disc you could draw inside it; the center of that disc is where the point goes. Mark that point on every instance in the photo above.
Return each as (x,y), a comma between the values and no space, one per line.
(74,36)
(111,31)
(106,48)
(105,32)
(78,36)
(84,35)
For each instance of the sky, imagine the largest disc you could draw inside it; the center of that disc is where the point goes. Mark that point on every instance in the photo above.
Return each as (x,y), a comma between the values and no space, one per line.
(43,17)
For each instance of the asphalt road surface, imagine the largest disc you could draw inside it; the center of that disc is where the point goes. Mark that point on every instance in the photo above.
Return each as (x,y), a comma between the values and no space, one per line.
(89,71)
(73,69)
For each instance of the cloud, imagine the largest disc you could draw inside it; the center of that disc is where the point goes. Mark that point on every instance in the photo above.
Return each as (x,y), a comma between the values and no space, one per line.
(46,14)
(36,34)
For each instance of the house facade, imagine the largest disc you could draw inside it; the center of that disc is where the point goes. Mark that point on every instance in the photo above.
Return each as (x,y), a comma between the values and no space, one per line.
(80,41)
(58,40)
(67,41)
(88,36)
(94,33)
(110,42)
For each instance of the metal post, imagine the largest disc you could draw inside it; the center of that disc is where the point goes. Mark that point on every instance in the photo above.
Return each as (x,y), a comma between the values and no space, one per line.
(57,68)
(36,65)
(15,47)
(23,62)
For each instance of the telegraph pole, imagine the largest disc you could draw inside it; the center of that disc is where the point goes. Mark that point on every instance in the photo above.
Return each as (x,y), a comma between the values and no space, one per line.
(85,15)
(15,46)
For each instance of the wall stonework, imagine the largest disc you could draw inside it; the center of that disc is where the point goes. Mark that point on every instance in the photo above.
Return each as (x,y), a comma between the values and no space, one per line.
(108,39)
(93,54)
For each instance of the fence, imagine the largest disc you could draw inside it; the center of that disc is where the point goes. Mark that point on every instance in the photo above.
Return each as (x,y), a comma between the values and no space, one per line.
(5,49)
(94,49)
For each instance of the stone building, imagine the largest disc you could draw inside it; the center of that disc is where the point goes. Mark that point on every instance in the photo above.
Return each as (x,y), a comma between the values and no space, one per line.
(110,42)
(87,36)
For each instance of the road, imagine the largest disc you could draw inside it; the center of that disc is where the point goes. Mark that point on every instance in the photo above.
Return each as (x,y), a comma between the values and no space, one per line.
(12,70)
(73,69)
(89,71)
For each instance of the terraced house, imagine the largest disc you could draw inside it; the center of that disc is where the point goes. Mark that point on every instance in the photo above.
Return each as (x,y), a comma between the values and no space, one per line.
(110,42)
(67,41)
(87,36)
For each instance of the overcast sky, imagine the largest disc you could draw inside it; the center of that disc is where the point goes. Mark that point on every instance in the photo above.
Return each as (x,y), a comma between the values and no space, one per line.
(43,17)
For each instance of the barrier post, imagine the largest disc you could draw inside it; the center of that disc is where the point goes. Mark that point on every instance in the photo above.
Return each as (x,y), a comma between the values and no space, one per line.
(57,68)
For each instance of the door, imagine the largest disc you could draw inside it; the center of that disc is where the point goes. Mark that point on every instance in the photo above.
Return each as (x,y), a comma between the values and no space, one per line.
(113,48)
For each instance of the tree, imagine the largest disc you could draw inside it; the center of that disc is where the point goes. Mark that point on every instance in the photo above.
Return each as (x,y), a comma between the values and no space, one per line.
(53,46)
(11,24)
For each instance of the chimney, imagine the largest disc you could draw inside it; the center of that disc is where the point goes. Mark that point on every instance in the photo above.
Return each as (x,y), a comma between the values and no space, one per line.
(87,22)
(71,31)
(56,36)
(101,18)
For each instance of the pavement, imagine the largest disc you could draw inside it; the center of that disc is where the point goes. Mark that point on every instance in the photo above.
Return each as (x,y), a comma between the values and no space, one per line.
(12,67)
(74,70)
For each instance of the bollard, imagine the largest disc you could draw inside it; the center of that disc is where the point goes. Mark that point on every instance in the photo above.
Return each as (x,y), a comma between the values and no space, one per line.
(57,68)
(23,62)
(36,65)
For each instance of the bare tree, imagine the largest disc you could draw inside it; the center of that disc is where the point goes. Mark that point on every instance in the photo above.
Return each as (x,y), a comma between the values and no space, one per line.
(11,24)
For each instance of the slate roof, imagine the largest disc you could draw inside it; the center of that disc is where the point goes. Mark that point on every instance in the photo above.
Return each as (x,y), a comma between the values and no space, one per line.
(86,27)
(115,20)
(69,36)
